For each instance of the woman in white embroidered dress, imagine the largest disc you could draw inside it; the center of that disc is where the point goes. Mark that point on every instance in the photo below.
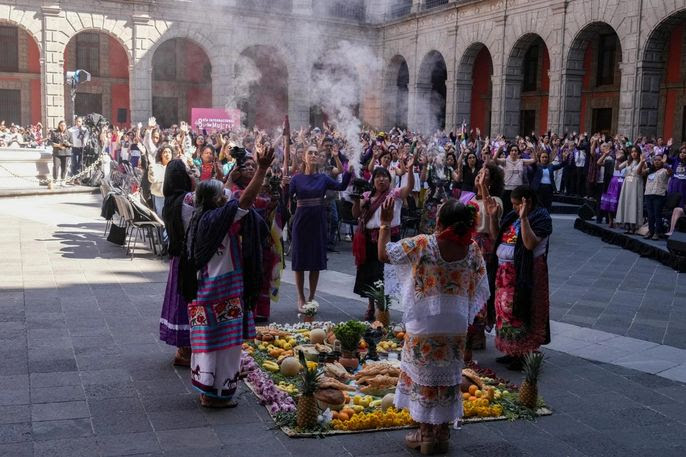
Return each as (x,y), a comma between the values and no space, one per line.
(443,287)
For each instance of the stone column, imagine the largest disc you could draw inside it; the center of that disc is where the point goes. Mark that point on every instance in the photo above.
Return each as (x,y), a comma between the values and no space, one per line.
(140,73)
(556,54)
(450,108)
(497,100)
(417,6)
(222,78)
(52,66)
(626,124)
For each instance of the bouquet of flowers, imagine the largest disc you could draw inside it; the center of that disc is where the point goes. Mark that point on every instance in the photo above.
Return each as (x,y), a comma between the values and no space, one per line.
(310,308)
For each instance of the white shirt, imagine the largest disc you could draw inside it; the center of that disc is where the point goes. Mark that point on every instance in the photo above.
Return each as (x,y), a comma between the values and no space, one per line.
(79,136)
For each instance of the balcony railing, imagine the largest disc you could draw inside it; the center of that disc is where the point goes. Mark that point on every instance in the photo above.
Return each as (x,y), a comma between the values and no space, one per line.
(434,3)
(281,6)
(399,9)
(344,9)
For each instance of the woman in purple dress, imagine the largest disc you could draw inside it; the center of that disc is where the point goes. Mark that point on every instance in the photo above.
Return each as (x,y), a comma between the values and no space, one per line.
(677,183)
(308,233)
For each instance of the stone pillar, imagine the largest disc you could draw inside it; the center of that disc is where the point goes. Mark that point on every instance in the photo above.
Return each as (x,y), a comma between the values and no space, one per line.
(556,55)
(626,124)
(450,120)
(497,100)
(52,66)
(417,6)
(572,84)
(222,78)
(140,73)
(554,100)
(648,97)
(299,93)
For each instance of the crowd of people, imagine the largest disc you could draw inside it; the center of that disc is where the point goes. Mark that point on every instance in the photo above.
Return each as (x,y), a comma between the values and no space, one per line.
(480,208)
(16,136)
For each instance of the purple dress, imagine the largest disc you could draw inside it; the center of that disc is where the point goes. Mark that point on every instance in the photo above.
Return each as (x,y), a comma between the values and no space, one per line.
(308,233)
(677,183)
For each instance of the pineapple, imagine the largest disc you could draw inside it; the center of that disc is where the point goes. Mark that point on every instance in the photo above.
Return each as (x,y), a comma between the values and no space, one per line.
(528,391)
(307,404)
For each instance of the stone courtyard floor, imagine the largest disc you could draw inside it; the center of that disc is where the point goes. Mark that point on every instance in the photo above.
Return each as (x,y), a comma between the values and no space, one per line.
(82,372)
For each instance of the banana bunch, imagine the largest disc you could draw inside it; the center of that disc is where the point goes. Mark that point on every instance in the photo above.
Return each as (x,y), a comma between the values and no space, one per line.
(290,389)
(270,366)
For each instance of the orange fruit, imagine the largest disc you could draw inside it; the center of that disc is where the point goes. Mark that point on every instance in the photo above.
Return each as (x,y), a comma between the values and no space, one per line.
(349,411)
(472,389)
(335,415)
(343,416)
(465,396)
(473,398)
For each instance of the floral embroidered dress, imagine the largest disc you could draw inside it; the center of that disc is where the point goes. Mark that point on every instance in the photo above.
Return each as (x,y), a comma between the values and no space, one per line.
(218,323)
(439,300)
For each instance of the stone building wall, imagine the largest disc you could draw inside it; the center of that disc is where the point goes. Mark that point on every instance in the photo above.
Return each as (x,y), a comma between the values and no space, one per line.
(456,32)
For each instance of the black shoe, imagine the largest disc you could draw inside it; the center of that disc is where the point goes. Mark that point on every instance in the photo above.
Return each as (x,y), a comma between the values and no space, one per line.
(261,319)
(370,316)
(506,359)
(332,250)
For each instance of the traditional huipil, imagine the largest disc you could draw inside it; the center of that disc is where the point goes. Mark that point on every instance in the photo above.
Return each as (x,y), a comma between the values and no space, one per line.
(521,286)
(439,299)
(219,318)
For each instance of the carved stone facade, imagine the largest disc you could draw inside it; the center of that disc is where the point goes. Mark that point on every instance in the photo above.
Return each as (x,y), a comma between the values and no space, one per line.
(456,32)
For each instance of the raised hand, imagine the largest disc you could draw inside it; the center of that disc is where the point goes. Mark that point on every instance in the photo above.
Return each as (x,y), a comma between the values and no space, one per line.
(152,122)
(492,207)
(524,208)
(387,211)
(265,157)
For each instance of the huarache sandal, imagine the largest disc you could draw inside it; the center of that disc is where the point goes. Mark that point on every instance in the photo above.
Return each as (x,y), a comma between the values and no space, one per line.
(422,440)
(208,402)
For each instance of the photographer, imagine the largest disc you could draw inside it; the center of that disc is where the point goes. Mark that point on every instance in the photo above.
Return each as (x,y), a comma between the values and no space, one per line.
(61,151)
(78,137)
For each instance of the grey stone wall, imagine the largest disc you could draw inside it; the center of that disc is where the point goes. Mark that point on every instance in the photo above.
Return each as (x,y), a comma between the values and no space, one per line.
(457,31)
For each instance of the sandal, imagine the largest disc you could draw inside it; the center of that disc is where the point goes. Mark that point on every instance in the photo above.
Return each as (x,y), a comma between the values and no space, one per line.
(442,436)
(182,358)
(422,439)
(209,402)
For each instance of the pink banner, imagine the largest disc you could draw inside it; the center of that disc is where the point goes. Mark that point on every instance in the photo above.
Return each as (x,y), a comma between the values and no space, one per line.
(212,119)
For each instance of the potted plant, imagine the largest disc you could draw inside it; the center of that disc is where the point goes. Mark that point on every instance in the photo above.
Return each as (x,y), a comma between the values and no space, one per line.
(349,334)
(309,311)
(382,302)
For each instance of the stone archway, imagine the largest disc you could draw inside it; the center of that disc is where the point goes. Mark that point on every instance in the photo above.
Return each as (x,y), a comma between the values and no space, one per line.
(181,80)
(592,80)
(107,60)
(431,92)
(661,88)
(474,88)
(396,92)
(526,87)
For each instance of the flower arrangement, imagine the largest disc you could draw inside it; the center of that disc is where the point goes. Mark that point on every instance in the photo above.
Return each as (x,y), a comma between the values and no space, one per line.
(310,308)
(275,400)
(377,292)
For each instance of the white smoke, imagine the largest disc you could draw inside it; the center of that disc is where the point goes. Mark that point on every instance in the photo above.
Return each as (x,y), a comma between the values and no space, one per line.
(337,85)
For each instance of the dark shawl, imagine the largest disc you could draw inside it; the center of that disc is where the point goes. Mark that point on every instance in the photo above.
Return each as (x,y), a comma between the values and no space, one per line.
(542,225)
(206,233)
(177,184)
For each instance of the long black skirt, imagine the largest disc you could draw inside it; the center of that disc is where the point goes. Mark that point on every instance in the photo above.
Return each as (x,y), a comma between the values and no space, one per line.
(371,270)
